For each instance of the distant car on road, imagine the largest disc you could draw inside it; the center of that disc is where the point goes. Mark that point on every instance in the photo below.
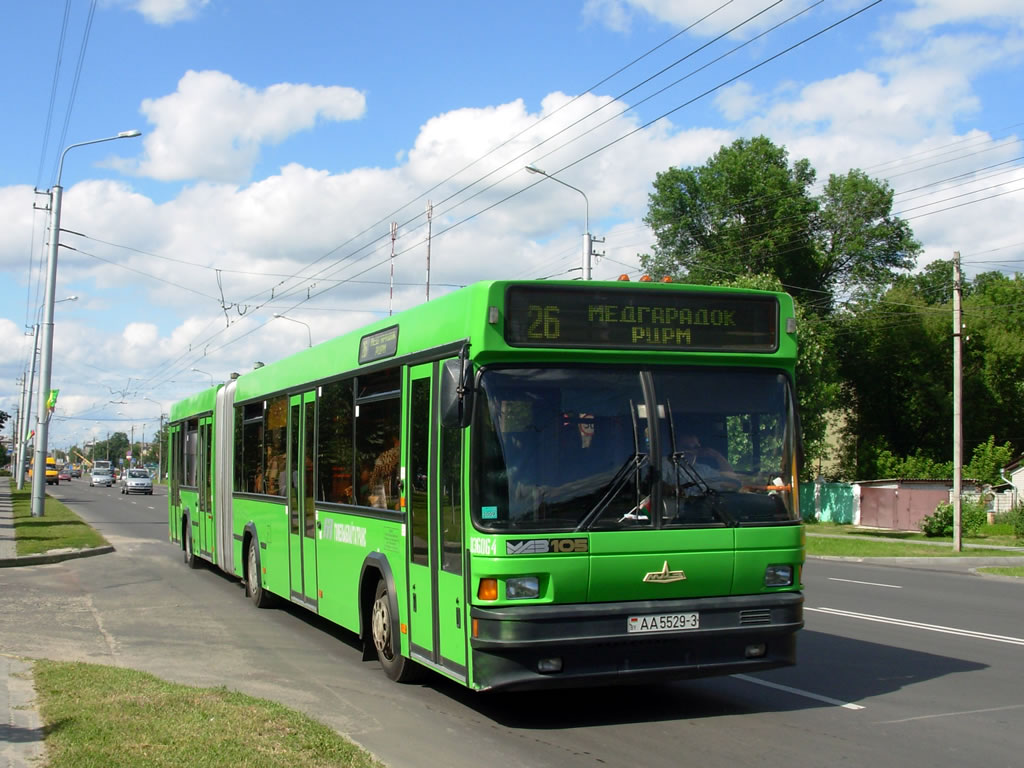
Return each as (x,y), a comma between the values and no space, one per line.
(136,480)
(64,473)
(76,470)
(101,477)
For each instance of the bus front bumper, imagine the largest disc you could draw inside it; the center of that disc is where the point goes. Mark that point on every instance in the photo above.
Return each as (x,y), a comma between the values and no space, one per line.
(541,646)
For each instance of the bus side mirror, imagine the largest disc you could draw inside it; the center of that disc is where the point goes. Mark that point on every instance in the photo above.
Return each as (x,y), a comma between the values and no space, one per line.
(456,393)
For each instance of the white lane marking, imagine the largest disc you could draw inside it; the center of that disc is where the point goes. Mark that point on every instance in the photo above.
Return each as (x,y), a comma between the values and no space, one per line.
(798,692)
(952,714)
(920,625)
(868,583)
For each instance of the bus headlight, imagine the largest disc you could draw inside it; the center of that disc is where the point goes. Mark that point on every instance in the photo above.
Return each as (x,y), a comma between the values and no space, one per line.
(522,587)
(778,576)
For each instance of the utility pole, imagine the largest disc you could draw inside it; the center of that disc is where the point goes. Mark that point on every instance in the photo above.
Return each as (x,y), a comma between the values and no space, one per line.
(958,457)
(160,447)
(27,421)
(19,435)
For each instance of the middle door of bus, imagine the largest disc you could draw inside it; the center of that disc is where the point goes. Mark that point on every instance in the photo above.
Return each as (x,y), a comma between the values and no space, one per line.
(437,600)
(301,508)
(207,542)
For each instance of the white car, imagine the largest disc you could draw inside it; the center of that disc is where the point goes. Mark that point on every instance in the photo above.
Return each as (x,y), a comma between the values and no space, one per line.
(136,480)
(101,477)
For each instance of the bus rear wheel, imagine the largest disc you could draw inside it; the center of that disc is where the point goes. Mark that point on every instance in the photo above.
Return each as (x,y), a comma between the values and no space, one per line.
(190,556)
(253,589)
(396,666)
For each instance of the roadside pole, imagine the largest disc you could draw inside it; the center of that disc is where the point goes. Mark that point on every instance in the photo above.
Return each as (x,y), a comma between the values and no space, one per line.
(958,454)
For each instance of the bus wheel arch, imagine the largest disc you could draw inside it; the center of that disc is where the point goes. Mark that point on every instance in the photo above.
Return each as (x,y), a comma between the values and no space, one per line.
(379,624)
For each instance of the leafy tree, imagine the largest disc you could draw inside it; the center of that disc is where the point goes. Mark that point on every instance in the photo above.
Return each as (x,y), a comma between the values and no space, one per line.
(987,460)
(4,416)
(860,244)
(745,212)
(916,467)
(895,361)
(748,211)
(893,358)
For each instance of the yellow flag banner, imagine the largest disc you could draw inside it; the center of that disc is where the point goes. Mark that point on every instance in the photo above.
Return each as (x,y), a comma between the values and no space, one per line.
(51,401)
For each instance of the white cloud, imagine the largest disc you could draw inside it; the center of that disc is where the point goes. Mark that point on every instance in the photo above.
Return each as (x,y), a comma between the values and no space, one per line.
(617,14)
(166,12)
(614,14)
(213,126)
(928,14)
(736,101)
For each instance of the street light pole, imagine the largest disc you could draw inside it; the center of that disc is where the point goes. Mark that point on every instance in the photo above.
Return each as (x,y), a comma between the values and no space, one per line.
(588,245)
(46,357)
(300,322)
(205,374)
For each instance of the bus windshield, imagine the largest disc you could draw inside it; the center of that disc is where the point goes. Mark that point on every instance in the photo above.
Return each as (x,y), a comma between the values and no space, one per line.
(572,449)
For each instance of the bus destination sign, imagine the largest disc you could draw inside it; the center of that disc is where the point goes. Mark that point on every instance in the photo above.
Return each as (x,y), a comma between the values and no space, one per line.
(631,318)
(379,345)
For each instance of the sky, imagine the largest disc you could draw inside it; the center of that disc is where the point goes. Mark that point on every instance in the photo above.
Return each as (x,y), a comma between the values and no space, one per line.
(281,140)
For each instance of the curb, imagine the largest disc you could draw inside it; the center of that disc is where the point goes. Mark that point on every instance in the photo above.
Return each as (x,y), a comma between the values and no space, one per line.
(54,556)
(968,565)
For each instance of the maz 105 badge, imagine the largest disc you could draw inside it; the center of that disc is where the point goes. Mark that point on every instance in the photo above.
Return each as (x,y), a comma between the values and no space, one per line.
(545,546)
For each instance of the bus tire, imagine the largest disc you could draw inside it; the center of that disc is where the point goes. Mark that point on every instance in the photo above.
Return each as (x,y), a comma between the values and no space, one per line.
(190,555)
(253,589)
(396,666)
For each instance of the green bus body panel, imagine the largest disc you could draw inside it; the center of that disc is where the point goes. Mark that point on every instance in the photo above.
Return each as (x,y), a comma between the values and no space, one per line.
(718,564)
(619,563)
(270,520)
(343,542)
(194,405)
(757,548)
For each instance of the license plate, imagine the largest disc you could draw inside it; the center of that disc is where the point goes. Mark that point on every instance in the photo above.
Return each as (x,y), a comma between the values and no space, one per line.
(663,622)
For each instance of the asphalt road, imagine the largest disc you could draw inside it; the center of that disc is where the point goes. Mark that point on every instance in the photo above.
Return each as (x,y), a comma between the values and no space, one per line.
(897,667)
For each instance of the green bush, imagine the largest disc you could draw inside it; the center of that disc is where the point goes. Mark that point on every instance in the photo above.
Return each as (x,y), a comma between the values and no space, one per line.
(1016,519)
(940,523)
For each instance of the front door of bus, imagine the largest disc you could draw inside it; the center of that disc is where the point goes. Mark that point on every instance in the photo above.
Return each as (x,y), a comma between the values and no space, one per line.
(301,513)
(207,546)
(437,597)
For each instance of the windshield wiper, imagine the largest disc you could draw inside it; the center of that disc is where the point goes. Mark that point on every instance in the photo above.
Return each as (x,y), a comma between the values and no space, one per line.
(679,462)
(631,466)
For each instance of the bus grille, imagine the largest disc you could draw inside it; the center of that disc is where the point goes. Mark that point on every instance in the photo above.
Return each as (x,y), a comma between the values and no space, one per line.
(755,616)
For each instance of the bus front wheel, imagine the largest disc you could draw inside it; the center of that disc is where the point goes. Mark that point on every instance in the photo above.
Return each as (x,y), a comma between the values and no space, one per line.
(396,666)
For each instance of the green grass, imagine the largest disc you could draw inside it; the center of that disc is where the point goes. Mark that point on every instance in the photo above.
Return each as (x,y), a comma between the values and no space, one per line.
(59,527)
(853,546)
(1000,571)
(96,715)
(999,534)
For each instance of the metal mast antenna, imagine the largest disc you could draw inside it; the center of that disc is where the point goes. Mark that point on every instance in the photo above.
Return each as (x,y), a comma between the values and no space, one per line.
(430,216)
(391,291)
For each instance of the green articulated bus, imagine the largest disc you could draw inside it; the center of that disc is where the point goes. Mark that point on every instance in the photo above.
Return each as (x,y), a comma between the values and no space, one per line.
(520,484)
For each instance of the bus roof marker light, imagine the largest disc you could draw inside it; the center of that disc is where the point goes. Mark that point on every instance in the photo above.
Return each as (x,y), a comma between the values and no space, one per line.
(492,315)
(790,325)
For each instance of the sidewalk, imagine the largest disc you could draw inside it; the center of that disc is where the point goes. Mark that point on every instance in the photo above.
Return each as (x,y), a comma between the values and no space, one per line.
(21,731)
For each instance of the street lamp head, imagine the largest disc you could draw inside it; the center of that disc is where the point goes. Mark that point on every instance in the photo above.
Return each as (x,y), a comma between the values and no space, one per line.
(128,134)
(531,168)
